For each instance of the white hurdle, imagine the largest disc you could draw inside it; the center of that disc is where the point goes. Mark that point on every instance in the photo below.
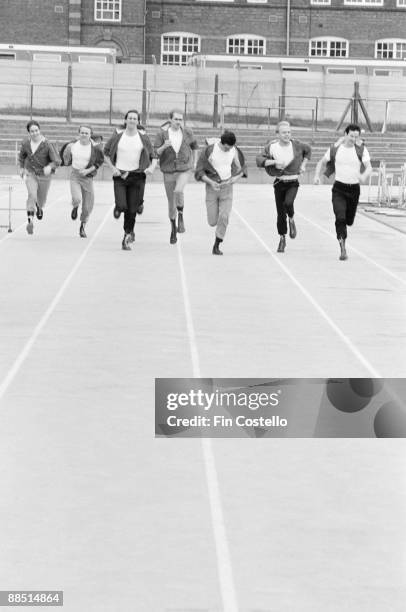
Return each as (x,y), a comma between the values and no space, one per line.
(7,183)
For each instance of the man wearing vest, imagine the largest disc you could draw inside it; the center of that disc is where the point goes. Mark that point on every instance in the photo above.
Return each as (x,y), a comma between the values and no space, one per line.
(286,160)
(350,161)
(220,165)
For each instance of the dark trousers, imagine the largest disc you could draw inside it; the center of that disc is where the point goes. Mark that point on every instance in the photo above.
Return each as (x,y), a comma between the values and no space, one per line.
(128,195)
(345,201)
(285,193)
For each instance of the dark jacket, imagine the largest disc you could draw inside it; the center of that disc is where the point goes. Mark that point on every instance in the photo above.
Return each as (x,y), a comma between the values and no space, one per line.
(300,152)
(331,164)
(204,166)
(171,162)
(45,155)
(96,157)
(147,153)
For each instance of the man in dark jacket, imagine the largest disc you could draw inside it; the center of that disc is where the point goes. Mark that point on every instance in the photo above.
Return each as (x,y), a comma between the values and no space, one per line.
(285,159)
(176,148)
(220,165)
(37,161)
(85,158)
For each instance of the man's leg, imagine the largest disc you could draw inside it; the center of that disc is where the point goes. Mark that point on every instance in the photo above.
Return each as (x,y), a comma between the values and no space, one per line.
(86,185)
(32,189)
(281,214)
(44,183)
(225,205)
(170,183)
(135,195)
(179,199)
(352,203)
(290,195)
(76,194)
(339,200)
(120,195)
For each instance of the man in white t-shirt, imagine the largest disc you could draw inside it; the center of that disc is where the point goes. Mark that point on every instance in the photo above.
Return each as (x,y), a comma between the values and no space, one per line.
(85,158)
(350,161)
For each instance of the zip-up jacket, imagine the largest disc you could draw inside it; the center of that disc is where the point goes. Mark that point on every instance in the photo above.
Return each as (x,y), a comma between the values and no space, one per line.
(96,158)
(331,164)
(147,153)
(205,167)
(45,155)
(169,160)
(301,151)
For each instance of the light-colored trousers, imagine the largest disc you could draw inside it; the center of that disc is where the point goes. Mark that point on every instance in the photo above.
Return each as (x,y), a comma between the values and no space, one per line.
(175,183)
(219,205)
(37,187)
(82,193)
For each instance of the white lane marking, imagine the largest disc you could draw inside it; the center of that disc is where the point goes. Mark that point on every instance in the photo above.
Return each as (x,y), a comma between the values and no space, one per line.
(11,374)
(359,253)
(313,302)
(225,570)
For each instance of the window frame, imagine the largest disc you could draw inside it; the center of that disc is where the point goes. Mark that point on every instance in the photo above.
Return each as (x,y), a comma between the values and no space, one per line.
(112,10)
(390,41)
(180,52)
(368,3)
(246,38)
(329,40)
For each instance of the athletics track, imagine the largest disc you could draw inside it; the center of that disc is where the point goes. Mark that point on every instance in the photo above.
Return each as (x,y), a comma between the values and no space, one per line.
(92,504)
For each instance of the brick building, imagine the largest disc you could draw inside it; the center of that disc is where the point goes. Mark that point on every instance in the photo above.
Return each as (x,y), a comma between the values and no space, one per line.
(171,31)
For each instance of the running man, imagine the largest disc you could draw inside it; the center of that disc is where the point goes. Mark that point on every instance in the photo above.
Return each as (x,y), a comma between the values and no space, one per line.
(220,165)
(86,158)
(350,160)
(37,161)
(285,159)
(176,148)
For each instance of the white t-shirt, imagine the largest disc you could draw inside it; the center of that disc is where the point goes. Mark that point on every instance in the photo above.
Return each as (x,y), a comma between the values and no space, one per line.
(129,152)
(347,164)
(222,160)
(35,145)
(282,154)
(80,155)
(175,138)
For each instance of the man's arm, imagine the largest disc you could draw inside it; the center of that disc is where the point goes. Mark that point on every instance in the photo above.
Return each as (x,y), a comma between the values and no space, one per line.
(320,165)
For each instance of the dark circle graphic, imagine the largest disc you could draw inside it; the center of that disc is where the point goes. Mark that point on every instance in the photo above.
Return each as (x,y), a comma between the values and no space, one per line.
(390,421)
(342,396)
(366,387)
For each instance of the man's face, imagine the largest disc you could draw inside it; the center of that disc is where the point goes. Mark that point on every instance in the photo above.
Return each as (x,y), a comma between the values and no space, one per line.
(351,138)
(35,133)
(84,135)
(225,147)
(284,133)
(176,121)
(132,120)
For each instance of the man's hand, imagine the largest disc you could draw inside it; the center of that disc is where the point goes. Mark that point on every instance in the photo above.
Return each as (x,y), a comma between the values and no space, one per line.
(316,180)
(47,170)
(116,172)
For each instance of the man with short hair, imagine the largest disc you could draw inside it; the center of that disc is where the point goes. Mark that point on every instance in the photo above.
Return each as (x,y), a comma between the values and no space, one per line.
(176,148)
(220,165)
(86,158)
(285,159)
(350,161)
(37,161)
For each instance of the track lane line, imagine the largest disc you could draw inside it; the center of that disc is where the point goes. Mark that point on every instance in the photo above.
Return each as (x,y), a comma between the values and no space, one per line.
(224,565)
(24,353)
(355,351)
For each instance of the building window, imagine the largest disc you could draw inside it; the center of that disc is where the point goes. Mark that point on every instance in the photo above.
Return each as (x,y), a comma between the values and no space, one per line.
(245,44)
(178,47)
(328,47)
(401,3)
(390,49)
(107,10)
(325,2)
(363,2)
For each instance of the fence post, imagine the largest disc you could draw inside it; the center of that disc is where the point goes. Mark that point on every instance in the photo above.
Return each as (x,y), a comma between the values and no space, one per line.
(316,115)
(31,98)
(269,118)
(144,97)
(69,95)
(222,112)
(111,106)
(282,101)
(216,101)
(185,108)
(386,117)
